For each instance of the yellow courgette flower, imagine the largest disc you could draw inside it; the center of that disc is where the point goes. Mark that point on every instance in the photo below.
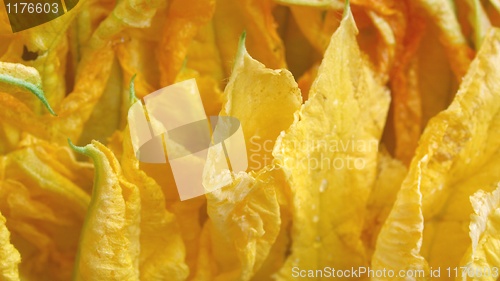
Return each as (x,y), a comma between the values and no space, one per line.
(371,130)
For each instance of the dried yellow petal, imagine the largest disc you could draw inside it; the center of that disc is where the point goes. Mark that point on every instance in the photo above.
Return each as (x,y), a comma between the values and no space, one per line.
(245,221)
(43,196)
(458,155)
(264,101)
(162,252)
(329,157)
(109,244)
(482,259)
(9,256)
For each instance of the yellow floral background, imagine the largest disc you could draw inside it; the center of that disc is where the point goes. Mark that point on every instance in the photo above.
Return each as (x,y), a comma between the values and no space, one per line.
(417,79)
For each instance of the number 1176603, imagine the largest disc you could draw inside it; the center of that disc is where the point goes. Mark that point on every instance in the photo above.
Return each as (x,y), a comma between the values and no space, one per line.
(472,271)
(27,14)
(31,8)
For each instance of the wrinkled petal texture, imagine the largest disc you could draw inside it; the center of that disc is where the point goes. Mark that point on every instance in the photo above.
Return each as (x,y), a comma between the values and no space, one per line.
(330,129)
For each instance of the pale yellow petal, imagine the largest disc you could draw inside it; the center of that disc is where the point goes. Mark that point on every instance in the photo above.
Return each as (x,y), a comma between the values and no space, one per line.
(329,156)
(9,256)
(109,244)
(264,101)
(482,259)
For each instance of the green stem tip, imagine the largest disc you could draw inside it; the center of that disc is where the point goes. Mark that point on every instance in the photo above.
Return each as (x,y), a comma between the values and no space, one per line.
(132,96)
(79,149)
(37,91)
(347,9)
(241,51)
